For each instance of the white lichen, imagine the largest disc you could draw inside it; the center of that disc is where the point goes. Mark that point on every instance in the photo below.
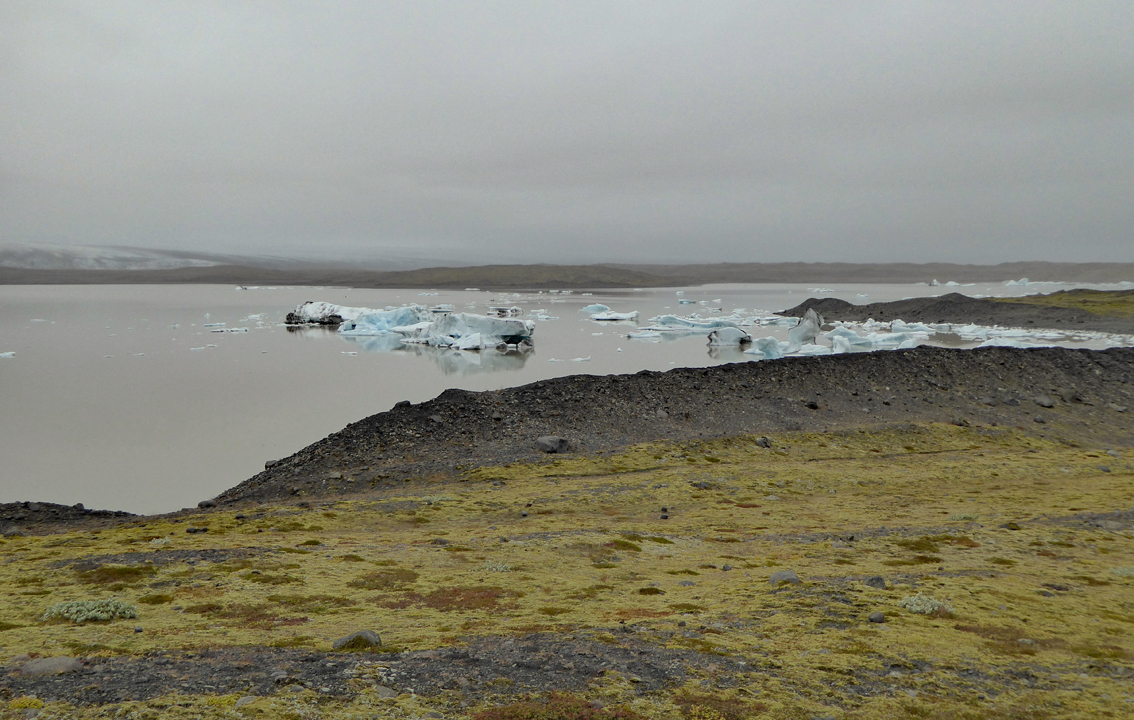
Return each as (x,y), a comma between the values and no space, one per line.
(923,604)
(81,611)
(496,566)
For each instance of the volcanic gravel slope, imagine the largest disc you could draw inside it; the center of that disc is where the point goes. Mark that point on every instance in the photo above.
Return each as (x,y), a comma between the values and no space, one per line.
(1054,392)
(957,308)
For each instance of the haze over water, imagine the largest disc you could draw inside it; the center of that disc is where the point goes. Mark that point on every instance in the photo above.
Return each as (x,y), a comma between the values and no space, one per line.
(120,397)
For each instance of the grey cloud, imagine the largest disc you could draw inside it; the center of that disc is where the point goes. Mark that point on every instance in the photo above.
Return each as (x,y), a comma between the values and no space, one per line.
(580,131)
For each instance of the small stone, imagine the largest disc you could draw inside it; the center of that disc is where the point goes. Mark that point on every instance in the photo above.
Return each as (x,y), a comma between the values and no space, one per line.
(13,531)
(523,513)
(878,582)
(402,404)
(552,444)
(50,666)
(138,629)
(245,700)
(1044,401)
(438,541)
(1040,419)
(665,517)
(784,576)
(662,414)
(335,476)
(437,419)
(877,617)
(726,568)
(597,705)
(385,692)
(1009,526)
(763,442)
(78,506)
(359,640)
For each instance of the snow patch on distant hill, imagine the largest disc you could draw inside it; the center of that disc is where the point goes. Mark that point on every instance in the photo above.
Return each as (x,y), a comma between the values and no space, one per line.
(42,256)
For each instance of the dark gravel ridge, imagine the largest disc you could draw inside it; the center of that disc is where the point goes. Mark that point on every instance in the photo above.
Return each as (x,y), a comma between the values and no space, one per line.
(1077,395)
(17,516)
(958,308)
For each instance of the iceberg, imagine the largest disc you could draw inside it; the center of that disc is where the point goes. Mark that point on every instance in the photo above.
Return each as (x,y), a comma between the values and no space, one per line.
(693,322)
(9,354)
(607,316)
(403,320)
(768,347)
(729,337)
(645,335)
(466,331)
(899,326)
(323,313)
(806,330)
(595,308)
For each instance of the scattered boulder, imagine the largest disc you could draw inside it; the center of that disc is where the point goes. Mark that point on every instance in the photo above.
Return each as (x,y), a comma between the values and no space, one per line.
(784,576)
(1044,401)
(552,444)
(204,504)
(50,666)
(763,442)
(877,617)
(878,582)
(360,640)
(13,531)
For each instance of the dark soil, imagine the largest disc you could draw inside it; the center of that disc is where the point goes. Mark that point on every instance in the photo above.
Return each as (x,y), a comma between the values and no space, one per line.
(1088,393)
(957,308)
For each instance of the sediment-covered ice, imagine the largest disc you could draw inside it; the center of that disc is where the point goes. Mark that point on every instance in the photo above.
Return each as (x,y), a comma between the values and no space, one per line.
(729,337)
(806,330)
(323,313)
(608,316)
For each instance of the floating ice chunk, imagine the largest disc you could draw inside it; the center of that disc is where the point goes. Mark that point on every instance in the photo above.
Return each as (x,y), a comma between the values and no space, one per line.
(820,290)
(597,334)
(595,308)
(693,322)
(196,349)
(614,316)
(581,359)
(809,349)
(769,347)
(505,310)
(458,330)
(729,337)
(645,335)
(324,313)
(9,354)
(347,352)
(554,360)
(899,326)
(208,325)
(428,294)
(934,283)
(1015,283)
(679,292)
(806,330)
(403,320)
(684,301)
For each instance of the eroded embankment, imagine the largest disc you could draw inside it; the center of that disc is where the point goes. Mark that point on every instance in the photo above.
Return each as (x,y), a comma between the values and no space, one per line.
(641,579)
(1053,392)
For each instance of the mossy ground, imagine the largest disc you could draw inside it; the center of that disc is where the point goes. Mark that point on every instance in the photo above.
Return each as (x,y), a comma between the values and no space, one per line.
(924,504)
(1108,303)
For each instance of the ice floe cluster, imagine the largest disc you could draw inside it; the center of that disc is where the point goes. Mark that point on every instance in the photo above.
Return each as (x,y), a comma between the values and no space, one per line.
(419,325)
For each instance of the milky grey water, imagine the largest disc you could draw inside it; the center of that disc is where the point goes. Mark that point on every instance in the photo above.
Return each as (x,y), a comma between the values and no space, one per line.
(124,397)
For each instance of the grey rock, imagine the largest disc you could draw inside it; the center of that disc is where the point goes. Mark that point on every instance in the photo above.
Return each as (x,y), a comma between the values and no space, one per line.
(552,444)
(245,700)
(207,504)
(34,507)
(877,582)
(662,414)
(335,476)
(1040,419)
(784,576)
(50,666)
(78,506)
(1044,401)
(438,541)
(437,419)
(369,637)
(877,617)
(763,442)
(687,583)
(726,568)
(385,692)
(13,531)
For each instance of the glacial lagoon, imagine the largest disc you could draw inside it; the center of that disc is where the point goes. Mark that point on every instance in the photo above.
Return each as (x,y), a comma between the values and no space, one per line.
(150,398)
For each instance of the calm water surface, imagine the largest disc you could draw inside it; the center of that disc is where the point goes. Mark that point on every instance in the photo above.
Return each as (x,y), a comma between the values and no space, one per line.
(123,397)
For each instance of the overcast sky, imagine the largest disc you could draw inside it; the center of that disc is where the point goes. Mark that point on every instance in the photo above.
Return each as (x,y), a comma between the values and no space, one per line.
(573,131)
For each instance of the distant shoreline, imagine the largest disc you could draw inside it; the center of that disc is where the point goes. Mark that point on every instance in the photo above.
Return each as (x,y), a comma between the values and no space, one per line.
(543,277)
